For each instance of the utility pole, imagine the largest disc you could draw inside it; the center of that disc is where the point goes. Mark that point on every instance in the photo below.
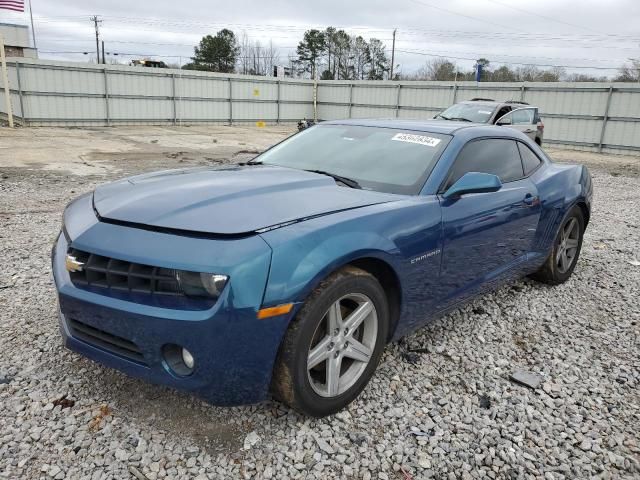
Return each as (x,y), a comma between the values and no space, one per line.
(97,21)
(393,53)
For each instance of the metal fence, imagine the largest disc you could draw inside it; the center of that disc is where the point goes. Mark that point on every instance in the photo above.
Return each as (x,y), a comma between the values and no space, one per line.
(591,116)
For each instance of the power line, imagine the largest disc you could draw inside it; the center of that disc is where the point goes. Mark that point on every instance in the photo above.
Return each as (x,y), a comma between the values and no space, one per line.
(405,30)
(429,5)
(510,63)
(552,19)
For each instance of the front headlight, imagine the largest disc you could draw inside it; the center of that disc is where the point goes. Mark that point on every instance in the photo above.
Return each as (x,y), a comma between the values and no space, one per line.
(196,284)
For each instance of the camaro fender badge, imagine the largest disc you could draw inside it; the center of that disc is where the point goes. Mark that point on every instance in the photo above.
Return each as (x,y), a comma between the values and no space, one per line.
(425,256)
(73,265)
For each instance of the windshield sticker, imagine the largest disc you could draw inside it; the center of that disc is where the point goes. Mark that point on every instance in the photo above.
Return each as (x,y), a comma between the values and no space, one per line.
(486,112)
(421,139)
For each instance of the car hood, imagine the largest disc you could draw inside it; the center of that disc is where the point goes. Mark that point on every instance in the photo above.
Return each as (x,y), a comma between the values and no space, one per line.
(227,200)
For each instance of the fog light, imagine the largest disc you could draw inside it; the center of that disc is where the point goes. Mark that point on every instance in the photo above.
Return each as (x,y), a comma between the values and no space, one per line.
(178,360)
(187,358)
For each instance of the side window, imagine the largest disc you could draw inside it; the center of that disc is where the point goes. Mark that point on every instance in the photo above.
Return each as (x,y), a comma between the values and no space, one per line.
(530,160)
(503,111)
(523,117)
(493,155)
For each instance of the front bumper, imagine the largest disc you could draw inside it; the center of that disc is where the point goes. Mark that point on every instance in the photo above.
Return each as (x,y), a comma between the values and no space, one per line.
(234,352)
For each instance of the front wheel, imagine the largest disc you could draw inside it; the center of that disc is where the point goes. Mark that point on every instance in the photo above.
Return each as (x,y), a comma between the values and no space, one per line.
(333,346)
(566,249)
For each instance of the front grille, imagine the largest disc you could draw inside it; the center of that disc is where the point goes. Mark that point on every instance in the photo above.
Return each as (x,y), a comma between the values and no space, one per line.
(105,272)
(105,341)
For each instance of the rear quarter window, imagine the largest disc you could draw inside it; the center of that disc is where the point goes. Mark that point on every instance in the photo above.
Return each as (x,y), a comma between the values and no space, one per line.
(530,160)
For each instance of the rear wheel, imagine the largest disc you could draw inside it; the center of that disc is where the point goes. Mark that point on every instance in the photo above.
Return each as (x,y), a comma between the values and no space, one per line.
(566,250)
(333,345)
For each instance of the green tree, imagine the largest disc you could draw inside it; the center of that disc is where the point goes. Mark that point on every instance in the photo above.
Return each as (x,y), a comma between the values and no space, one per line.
(377,60)
(503,74)
(216,54)
(310,50)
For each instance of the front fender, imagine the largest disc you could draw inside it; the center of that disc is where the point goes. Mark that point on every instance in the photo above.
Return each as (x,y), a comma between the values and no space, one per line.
(406,235)
(297,268)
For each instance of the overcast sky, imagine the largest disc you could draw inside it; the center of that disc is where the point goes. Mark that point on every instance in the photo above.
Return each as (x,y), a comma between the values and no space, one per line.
(595,33)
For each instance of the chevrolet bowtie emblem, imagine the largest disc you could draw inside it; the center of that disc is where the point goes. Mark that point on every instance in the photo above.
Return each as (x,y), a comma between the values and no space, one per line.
(72,264)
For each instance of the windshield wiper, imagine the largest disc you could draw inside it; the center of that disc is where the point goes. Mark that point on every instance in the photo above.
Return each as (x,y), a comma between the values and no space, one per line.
(349,182)
(462,119)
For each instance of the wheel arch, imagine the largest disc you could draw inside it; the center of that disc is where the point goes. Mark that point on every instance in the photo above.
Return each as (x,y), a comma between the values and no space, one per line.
(376,264)
(390,282)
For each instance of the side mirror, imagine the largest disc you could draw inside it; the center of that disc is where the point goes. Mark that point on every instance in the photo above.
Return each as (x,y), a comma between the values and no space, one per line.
(473,182)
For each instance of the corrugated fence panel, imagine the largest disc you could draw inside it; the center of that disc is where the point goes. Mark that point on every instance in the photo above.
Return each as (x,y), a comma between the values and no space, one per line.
(48,107)
(300,92)
(61,81)
(339,93)
(292,112)
(566,102)
(202,110)
(432,99)
(141,109)
(625,104)
(373,112)
(333,112)
(254,90)
(202,87)
(243,111)
(622,133)
(142,85)
(369,94)
(572,130)
(58,93)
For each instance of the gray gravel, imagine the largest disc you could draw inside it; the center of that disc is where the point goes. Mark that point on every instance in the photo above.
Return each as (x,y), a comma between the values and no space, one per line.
(442,404)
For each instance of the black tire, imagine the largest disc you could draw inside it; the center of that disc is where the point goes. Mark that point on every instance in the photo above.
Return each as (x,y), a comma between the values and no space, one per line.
(291,381)
(551,272)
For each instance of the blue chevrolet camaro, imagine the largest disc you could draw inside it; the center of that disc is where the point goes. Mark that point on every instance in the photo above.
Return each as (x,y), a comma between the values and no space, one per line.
(288,274)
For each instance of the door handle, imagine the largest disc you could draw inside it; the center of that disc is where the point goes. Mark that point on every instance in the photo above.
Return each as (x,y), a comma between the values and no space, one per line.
(529,131)
(530,200)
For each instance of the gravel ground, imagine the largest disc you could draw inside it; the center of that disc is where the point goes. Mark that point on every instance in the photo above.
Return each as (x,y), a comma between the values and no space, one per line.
(442,404)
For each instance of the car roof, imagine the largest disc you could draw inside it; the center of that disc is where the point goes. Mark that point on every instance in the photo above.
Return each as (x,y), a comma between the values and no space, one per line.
(466,130)
(432,126)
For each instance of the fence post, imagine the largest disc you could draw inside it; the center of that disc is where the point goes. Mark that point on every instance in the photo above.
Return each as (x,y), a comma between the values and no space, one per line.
(22,115)
(230,102)
(350,98)
(5,82)
(455,93)
(315,101)
(605,118)
(398,100)
(173,98)
(278,102)
(522,89)
(106,97)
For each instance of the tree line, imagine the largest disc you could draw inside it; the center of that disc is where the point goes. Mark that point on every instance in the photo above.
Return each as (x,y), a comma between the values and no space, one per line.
(333,54)
(443,69)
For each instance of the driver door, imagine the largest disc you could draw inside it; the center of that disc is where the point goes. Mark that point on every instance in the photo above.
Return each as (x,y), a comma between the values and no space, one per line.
(486,235)
(522,119)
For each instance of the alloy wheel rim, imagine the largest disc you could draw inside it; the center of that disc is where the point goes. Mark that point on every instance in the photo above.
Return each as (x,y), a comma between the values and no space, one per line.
(567,245)
(342,345)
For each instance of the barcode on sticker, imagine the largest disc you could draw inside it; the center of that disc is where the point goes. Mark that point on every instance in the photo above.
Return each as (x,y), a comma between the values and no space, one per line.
(411,138)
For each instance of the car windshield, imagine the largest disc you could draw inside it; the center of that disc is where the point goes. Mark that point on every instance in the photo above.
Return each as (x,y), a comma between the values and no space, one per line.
(381,159)
(472,112)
